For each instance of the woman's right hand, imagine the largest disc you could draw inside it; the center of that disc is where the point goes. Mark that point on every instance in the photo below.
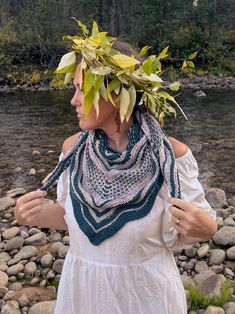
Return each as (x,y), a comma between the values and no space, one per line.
(29,206)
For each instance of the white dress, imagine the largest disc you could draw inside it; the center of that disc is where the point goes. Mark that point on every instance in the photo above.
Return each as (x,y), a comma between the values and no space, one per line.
(134,271)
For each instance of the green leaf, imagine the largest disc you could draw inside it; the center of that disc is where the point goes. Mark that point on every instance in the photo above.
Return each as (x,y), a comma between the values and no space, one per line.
(156,65)
(163,54)
(132,93)
(115,83)
(95,30)
(82,26)
(190,64)
(88,101)
(147,66)
(124,61)
(103,92)
(124,103)
(184,65)
(165,95)
(174,86)
(68,77)
(98,82)
(144,50)
(67,63)
(102,70)
(193,55)
(89,81)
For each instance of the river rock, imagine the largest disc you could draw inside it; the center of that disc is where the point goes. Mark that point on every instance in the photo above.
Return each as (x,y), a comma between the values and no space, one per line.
(231,253)
(65,240)
(199,93)
(229,221)
(16,192)
(190,251)
(212,285)
(216,197)
(10,233)
(14,243)
(229,308)
(3,266)
(203,250)
(16,286)
(33,231)
(36,239)
(46,307)
(214,310)
(27,252)
(4,257)
(201,266)
(30,268)
(199,278)
(6,202)
(55,247)
(32,172)
(15,269)
(220,222)
(217,257)
(3,279)
(3,291)
(225,236)
(46,260)
(40,171)
(55,237)
(11,307)
(23,300)
(58,266)
(64,249)
(217,268)
(9,295)
(36,152)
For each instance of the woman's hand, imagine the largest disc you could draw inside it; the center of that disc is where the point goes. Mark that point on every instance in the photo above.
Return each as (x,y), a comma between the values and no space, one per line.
(192,222)
(29,206)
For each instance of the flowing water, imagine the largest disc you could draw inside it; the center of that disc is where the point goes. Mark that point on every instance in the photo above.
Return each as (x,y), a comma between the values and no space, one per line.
(42,120)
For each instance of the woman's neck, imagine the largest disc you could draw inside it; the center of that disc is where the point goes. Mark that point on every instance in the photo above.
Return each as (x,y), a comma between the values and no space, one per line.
(118,140)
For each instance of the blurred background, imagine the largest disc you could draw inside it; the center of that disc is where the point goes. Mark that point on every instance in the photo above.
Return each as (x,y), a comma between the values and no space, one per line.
(31,30)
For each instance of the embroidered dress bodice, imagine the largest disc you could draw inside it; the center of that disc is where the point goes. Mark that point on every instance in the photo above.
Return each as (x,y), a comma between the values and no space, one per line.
(133,271)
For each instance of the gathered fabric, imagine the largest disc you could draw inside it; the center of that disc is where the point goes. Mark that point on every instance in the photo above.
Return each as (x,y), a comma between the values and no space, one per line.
(109,188)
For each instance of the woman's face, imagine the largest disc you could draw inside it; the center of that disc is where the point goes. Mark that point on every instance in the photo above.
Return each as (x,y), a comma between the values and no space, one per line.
(106,109)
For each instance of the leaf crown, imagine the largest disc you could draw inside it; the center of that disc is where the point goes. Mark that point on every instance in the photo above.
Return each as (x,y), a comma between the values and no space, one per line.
(108,72)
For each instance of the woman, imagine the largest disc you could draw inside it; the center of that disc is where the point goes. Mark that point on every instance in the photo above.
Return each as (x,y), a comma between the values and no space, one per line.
(115,182)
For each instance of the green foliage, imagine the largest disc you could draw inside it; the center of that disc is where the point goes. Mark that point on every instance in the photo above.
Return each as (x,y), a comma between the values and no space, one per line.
(31,30)
(201,300)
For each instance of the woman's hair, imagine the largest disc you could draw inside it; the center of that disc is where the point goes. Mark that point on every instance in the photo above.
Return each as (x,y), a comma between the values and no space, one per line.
(127,49)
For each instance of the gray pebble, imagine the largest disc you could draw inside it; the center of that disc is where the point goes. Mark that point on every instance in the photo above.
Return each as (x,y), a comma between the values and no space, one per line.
(14,243)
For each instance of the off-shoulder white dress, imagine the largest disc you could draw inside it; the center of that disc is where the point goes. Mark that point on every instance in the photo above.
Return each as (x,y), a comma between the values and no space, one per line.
(134,271)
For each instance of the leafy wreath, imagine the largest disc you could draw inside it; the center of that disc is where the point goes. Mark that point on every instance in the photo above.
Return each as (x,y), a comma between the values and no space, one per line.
(106,70)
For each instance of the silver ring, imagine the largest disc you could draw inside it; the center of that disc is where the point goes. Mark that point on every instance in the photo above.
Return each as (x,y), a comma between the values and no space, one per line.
(177,222)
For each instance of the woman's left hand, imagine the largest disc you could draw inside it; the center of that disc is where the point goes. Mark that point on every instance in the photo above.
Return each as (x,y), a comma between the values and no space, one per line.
(193,223)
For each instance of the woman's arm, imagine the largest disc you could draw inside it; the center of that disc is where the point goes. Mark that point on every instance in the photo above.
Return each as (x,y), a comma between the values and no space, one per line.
(195,224)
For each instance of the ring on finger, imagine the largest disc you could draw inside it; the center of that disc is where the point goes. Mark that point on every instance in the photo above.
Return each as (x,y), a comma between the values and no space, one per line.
(177,222)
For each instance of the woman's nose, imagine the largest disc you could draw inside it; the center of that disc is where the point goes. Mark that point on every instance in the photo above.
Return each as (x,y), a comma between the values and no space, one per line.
(76,100)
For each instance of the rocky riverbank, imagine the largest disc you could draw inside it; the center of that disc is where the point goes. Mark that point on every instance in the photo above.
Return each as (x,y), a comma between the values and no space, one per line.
(196,83)
(31,260)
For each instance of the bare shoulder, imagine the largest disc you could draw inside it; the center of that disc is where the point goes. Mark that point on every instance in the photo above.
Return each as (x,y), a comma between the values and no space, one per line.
(69,141)
(179,148)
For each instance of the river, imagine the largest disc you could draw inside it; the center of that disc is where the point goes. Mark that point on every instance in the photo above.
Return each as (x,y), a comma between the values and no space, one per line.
(42,120)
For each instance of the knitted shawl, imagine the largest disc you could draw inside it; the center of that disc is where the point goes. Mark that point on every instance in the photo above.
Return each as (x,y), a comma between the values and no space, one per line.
(110,188)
